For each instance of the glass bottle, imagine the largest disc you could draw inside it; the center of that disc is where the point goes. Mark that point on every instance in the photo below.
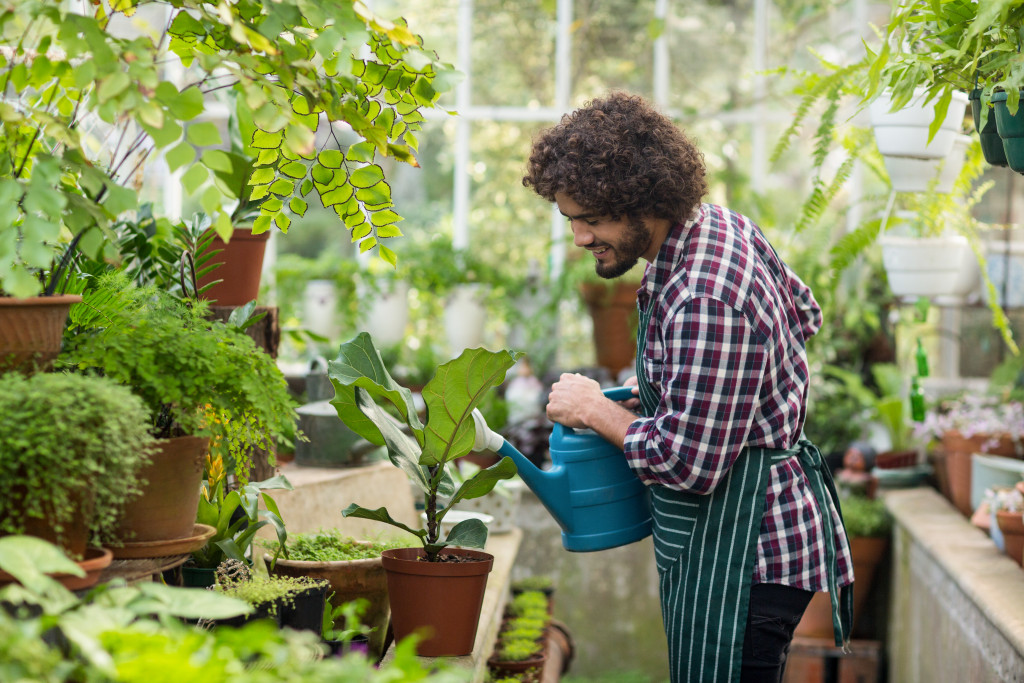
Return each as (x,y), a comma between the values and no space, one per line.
(922,359)
(916,401)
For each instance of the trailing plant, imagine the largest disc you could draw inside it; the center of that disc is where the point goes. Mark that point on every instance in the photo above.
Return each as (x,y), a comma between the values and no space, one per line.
(196,376)
(79,85)
(425,451)
(69,443)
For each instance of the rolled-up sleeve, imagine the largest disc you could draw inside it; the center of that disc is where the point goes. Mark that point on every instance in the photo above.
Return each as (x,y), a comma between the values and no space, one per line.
(711,373)
(806,306)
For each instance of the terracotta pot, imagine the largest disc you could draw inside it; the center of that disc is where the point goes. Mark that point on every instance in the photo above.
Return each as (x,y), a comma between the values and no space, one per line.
(31,330)
(867,555)
(613,311)
(167,508)
(527,670)
(350,580)
(893,459)
(93,564)
(1011,524)
(958,450)
(74,537)
(440,599)
(240,269)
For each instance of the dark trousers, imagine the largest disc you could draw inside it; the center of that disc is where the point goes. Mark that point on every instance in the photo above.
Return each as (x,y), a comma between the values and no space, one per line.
(774,613)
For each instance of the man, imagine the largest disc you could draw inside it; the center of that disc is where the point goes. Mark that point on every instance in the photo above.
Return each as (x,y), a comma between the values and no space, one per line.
(746,525)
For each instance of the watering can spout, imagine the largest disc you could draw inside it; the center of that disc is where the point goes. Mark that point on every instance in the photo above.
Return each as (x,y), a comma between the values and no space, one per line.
(551,486)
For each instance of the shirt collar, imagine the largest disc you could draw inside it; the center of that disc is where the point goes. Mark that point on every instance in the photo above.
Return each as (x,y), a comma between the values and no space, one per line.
(671,253)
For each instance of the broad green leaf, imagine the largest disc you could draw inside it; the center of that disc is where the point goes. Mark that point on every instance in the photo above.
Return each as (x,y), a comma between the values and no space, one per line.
(378,195)
(165,134)
(113,85)
(359,364)
(361,151)
(469,533)
(379,515)
(293,169)
(451,395)
(194,177)
(403,450)
(29,559)
(484,481)
(385,217)
(331,158)
(298,206)
(204,134)
(367,176)
(180,155)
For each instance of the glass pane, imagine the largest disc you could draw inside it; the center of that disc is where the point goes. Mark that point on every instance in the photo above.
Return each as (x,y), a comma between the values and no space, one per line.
(513,52)
(612,47)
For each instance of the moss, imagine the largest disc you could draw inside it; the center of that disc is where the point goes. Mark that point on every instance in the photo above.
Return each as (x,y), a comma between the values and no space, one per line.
(271,591)
(518,650)
(332,546)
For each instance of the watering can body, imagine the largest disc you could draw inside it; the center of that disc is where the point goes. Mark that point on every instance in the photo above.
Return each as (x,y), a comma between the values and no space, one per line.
(591,492)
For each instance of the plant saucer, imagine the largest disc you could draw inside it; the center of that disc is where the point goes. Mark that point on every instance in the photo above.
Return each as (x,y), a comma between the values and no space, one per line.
(201,533)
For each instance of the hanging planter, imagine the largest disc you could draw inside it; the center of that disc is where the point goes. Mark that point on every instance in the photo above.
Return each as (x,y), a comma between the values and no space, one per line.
(904,133)
(464,318)
(991,143)
(388,312)
(929,266)
(1011,131)
(240,268)
(31,330)
(909,174)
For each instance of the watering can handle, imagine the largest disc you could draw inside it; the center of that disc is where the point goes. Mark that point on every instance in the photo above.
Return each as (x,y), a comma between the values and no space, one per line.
(615,394)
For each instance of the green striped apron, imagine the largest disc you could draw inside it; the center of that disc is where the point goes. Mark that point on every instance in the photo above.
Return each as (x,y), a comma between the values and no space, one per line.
(705,548)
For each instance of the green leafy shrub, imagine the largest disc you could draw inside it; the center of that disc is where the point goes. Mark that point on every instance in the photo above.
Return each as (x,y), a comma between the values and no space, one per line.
(864,516)
(65,438)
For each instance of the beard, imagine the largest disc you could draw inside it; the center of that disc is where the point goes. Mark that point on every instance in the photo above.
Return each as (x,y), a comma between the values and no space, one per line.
(627,252)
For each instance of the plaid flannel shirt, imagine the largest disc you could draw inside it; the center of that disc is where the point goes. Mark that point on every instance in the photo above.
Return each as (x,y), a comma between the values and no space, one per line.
(725,350)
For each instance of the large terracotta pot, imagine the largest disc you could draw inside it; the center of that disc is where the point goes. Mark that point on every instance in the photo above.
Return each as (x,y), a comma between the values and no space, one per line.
(958,450)
(167,508)
(73,537)
(612,308)
(240,269)
(440,599)
(1011,524)
(31,330)
(350,580)
(867,554)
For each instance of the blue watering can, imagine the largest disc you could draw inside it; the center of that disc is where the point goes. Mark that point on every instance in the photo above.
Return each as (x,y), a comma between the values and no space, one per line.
(589,490)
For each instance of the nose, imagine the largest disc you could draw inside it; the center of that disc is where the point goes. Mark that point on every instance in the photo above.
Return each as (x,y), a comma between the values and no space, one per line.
(581,234)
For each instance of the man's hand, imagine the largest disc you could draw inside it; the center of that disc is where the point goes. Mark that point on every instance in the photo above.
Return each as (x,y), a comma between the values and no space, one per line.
(571,399)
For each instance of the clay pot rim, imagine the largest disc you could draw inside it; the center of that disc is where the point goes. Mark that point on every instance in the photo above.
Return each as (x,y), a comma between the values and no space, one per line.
(322,564)
(55,300)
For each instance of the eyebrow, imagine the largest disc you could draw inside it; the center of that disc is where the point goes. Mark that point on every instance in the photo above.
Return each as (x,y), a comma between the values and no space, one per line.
(581,216)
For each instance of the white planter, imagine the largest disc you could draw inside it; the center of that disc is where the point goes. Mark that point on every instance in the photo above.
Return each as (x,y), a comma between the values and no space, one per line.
(388,313)
(464,318)
(907,174)
(320,306)
(930,266)
(501,504)
(1004,263)
(905,132)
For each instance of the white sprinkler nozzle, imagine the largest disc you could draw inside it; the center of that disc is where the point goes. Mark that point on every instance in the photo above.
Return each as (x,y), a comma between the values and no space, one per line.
(486,440)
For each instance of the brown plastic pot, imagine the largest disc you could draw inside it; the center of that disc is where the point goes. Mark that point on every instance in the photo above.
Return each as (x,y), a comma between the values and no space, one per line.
(240,268)
(613,311)
(440,600)
(167,508)
(31,330)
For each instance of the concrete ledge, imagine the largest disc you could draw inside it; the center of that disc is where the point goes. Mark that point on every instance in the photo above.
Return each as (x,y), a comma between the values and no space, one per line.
(957,606)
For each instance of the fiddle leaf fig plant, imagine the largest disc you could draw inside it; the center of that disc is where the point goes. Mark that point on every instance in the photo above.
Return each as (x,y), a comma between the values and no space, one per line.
(422,450)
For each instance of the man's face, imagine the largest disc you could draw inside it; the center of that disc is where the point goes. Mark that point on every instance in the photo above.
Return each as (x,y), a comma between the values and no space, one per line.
(616,244)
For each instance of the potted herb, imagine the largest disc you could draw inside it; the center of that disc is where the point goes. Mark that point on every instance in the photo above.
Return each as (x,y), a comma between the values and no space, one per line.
(1008,506)
(200,380)
(71,450)
(295,602)
(969,424)
(521,648)
(434,586)
(868,526)
(351,566)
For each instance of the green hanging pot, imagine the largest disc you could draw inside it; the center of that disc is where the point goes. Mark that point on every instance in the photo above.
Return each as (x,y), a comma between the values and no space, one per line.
(1011,130)
(991,143)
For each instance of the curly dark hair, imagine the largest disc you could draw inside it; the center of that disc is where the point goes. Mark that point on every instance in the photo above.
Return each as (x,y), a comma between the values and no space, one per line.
(620,157)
